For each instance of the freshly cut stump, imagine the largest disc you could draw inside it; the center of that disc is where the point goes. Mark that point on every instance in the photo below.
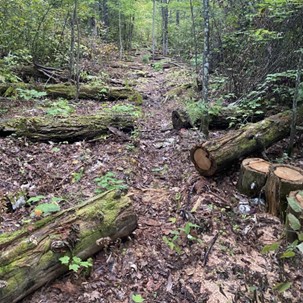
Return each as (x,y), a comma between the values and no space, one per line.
(253,175)
(281,181)
(294,212)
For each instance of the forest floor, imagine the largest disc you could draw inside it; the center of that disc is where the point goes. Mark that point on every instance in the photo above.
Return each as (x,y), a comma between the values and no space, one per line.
(222,263)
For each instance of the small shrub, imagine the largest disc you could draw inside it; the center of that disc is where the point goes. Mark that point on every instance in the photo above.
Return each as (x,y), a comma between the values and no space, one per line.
(109,182)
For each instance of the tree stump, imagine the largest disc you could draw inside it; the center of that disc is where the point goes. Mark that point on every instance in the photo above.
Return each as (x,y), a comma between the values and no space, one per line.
(180,119)
(29,257)
(294,215)
(281,181)
(253,176)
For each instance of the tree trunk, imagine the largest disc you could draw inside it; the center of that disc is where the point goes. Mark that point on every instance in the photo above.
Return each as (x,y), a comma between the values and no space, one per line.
(164,27)
(153,30)
(29,257)
(72,128)
(216,155)
(69,91)
(253,176)
(281,181)
(205,70)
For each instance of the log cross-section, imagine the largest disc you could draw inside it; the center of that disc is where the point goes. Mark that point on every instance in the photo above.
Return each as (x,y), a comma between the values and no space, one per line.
(29,257)
(281,181)
(253,175)
(215,155)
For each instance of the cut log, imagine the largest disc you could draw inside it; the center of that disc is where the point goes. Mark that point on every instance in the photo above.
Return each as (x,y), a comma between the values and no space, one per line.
(294,213)
(71,129)
(220,121)
(282,179)
(253,175)
(215,155)
(29,258)
(180,119)
(68,91)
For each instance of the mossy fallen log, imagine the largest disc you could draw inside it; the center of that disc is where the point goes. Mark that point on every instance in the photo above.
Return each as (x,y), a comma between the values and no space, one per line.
(29,257)
(215,155)
(71,129)
(68,91)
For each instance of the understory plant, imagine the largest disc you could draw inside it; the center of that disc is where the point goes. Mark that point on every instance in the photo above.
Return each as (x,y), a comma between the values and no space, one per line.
(181,236)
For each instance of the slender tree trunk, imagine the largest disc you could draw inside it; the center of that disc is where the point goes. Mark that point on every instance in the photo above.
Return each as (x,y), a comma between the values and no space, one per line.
(78,52)
(72,46)
(294,107)
(205,68)
(153,29)
(120,34)
(194,33)
(105,17)
(164,27)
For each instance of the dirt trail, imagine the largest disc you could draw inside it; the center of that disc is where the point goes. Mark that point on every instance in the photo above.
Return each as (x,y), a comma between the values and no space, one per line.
(164,187)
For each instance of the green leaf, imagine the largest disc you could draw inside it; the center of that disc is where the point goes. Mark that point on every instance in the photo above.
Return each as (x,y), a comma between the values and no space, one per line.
(64,260)
(294,223)
(270,247)
(300,236)
(75,267)
(300,247)
(48,208)
(288,254)
(295,206)
(281,287)
(77,260)
(35,199)
(137,298)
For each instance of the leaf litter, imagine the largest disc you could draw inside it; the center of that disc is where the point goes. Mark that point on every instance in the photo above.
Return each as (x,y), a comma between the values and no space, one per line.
(220,261)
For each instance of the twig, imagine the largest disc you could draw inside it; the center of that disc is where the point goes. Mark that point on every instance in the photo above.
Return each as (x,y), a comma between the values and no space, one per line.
(212,243)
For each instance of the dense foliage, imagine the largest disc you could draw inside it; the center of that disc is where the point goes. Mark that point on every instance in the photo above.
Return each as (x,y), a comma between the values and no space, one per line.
(248,40)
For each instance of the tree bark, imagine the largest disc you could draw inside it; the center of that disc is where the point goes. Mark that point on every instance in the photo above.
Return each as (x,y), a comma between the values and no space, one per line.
(72,128)
(214,156)
(281,181)
(253,176)
(69,91)
(219,121)
(29,257)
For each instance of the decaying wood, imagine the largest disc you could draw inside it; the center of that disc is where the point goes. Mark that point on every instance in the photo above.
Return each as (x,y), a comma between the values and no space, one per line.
(68,91)
(219,121)
(282,179)
(297,211)
(72,128)
(253,175)
(215,155)
(29,258)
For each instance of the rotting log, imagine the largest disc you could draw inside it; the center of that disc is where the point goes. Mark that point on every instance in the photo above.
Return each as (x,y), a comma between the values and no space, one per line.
(68,91)
(29,257)
(282,179)
(216,155)
(71,129)
(294,208)
(221,120)
(253,176)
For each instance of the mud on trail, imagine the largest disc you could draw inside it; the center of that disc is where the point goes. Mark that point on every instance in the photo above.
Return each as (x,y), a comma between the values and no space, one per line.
(216,253)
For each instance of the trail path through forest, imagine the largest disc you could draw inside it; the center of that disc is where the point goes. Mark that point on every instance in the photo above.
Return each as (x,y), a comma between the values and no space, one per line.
(222,262)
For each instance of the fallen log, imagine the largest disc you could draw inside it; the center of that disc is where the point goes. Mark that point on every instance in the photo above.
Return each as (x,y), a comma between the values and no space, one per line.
(71,129)
(215,155)
(282,179)
(68,91)
(253,175)
(223,120)
(29,257)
